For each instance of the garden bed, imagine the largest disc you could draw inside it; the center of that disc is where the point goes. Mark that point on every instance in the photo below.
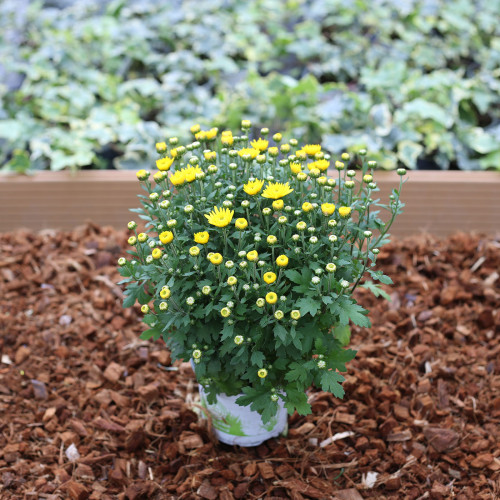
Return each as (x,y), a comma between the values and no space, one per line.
(437,202)
(90,411)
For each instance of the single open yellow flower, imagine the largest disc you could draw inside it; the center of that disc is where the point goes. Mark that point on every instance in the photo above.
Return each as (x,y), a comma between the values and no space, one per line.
(296,168)
(164,164)
(271,298)
(195,129)
(307,207)
(249,151)
(165,293)
(191,172)
(278,204)
(166,237)
(201,238)
(311,149)
(156,253)
(276,190)
(220,217)
(262,373)
(178,178)
(253,187)
(194,251)
(225,312)
(282,261)
(241,223)
(269,277)
(321,165)
(215,259)
(260,144)
(345,211)
(252,256)
(211,134)
(200,136)
(327,208)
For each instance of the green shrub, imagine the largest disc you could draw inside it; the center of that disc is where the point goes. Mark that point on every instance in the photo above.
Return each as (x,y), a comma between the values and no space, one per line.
(100,84)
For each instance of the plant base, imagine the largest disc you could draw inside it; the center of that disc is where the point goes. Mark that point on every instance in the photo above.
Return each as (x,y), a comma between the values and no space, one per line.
(239,425)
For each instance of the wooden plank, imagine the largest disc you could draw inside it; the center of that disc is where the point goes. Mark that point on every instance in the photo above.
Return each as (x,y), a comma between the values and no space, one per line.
(438,202)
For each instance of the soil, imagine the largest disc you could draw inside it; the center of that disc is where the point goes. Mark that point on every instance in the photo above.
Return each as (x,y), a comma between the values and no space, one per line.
(87,410)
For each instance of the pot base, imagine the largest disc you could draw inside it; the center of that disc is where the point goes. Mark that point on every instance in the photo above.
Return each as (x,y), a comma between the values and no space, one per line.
(239,425)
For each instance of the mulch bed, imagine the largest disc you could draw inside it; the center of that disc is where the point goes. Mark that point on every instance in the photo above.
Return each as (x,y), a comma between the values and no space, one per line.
(87,410)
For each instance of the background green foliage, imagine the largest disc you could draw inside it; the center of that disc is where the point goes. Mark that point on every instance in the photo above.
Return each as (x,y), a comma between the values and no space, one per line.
(405,79)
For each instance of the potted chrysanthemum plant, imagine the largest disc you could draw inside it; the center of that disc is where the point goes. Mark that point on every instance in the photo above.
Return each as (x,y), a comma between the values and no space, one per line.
(247,267)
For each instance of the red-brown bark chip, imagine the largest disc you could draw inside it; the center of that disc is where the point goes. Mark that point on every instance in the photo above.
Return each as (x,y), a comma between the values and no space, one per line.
(421,412)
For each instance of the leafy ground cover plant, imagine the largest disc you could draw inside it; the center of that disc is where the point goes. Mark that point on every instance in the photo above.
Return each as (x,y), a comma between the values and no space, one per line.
(250,257)
(407,80)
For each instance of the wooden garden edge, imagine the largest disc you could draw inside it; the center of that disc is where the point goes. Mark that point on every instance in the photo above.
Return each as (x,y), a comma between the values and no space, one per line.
(438,202)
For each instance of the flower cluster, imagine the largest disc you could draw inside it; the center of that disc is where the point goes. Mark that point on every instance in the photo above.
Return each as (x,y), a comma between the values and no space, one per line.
(251,255)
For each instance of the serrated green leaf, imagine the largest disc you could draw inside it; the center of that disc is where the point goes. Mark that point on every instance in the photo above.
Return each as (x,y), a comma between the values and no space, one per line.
(308,305)
(257,358)
(330,382)
(343,334)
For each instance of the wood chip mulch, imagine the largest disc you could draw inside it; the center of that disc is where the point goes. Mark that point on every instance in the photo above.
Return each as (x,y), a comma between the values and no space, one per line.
(87,410)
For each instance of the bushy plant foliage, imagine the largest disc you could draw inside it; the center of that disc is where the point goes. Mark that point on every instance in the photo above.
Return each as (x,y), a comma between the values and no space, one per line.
(407,80)
(249,261)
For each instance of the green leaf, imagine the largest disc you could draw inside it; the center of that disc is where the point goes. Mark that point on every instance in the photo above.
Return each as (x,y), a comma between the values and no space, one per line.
(308,305)
(343,334)
(376,290)
(330,382)
(282,333)
(339,357)
(296,400)
(155,333)
(257,358)
(347,309)
(380,276)
(297,373)
(227,332)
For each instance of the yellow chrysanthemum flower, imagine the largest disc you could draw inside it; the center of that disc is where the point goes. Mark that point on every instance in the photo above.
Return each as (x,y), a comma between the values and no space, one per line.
(161,147)
(252,256)
(210,155)
(260,144)
(200,136)
(301,154)
(190,172)
(307,207)
(178,178)
(345,211)
(164,164)
(241,223)
(227,138)
(276,190)
(166,237)
(142,175)
(282,261)
(165,293)
(249,151)
(278,204)
(210,134)
(271,298)
(273,151)
(174,153)
(253,187)
(195,129)
(269,277)
(156,253)
(215,259)
(158,176)
(311,149)
(262,373)
(220,217)
(327,208)
(321,165)
(194,251)
(296,168)
(201,238)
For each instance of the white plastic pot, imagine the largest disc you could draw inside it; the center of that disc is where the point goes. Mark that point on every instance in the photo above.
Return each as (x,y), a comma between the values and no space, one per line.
(234,424)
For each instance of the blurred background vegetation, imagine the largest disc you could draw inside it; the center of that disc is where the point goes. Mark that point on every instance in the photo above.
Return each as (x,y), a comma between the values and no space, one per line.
(93,84)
